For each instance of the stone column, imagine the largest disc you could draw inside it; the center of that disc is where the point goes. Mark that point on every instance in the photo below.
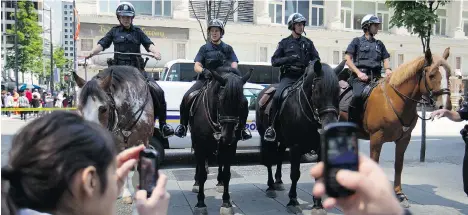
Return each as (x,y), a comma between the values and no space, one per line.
(333,11)
(261,12)
(181,9)
(455,19)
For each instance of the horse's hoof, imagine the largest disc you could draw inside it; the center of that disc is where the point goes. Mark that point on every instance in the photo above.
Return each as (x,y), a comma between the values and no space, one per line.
(294,209)
(200,211)
(405,203)
(220,189)
(271,194)
(318,211)
(226,211)
(127,200)
(278,186)
(195,189)
(403,200)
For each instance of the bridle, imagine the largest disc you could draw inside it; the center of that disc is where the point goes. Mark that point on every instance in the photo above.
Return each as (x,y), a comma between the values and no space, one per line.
(431,94)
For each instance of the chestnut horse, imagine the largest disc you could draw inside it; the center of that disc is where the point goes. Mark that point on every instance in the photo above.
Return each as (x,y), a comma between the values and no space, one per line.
(390,110)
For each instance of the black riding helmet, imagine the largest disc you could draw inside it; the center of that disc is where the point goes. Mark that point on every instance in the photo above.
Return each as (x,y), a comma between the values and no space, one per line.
(125,9)
(216,23)
(368,20)
(296,18)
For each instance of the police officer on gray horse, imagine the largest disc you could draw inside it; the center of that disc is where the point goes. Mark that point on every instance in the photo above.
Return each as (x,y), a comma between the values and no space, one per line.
(292,56)
(211,55)
(364,56)
(128,38)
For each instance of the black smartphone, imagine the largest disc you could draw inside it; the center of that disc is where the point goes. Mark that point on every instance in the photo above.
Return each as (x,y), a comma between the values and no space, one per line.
(339,151)
(148,170)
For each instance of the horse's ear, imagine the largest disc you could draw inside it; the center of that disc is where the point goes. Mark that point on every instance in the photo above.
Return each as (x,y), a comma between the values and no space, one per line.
(340,67)
(78,80)
(428,57)
(246,77)
(446,53)
(317,67)
(106,82)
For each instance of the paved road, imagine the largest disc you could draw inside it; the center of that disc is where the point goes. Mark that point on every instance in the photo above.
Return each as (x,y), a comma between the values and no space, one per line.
(433,187)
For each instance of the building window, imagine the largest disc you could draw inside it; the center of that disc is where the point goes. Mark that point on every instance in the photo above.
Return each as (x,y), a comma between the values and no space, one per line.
(346,14)
(66,36)
(65,12)
(180,50)
(66,24)
(107,6)
(263,54)
(66,30)
(401,59)
(384,15)
(361,9)
(441,24)
(336,57)
(343,55)
(313,11)
(162,8)
(465,22)
(66,54)
(86,44)
(71,6)
(142,7)
(66,48)
(65,18)
(65,6)
(66,42)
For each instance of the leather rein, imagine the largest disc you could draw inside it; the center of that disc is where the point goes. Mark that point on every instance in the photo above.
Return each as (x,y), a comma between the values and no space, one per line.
(431,95)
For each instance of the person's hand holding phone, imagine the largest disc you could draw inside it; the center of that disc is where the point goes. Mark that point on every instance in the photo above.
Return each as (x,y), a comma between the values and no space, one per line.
(158,202)
(373,192)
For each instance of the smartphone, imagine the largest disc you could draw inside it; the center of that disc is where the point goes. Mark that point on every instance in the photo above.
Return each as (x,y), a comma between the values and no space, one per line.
(339,151)
(148,170)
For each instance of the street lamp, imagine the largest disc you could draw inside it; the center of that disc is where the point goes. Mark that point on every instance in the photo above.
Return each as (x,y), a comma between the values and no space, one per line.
(51,53)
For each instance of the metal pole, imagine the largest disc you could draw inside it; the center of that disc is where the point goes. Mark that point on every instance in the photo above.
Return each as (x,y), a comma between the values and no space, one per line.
(51,56)
(422,155)
(4,42)
(16,46)
(74,39)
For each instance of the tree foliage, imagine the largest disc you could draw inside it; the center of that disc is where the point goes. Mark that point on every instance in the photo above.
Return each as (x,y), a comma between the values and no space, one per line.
(212,10)
(419,16)
(29,39)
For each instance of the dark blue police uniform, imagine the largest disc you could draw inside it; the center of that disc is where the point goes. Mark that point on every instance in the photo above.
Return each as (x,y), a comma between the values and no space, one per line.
(293,56)
(464,132)
(211,56)
(127,41)
(367,56)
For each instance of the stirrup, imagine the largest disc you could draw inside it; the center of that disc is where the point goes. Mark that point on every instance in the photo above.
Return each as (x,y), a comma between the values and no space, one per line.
(246,131)
(178,129)
(274,134)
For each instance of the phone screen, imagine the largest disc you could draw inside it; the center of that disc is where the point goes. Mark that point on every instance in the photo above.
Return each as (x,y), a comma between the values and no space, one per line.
(343,151)
(148,170)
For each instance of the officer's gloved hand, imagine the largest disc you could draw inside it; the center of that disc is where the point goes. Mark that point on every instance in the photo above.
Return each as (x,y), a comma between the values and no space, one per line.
(294,58)
(464,133)
(207,73)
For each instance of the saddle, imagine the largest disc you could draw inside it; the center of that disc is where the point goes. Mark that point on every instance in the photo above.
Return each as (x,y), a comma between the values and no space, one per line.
(265,101)
(346,96)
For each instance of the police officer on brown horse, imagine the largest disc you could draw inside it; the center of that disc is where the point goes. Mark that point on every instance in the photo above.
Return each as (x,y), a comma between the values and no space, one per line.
(364,56)
(128,38)
(292,55)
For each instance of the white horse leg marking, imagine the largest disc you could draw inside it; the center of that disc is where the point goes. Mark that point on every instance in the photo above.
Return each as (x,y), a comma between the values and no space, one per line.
(444,84)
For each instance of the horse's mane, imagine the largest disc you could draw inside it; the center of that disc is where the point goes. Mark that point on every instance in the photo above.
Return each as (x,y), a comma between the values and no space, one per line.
(233,93)
(409,69)
(329,79)
(121,77)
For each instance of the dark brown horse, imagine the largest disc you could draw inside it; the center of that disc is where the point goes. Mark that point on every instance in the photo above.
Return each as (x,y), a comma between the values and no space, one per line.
(312,102)
(390,110)
(118,98)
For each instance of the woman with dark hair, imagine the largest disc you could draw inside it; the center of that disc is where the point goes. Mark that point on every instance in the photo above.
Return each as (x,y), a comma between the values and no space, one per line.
(62,164)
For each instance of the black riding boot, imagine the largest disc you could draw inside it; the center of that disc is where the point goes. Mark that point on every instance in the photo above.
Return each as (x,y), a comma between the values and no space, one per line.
(353,111)
(245,134)
(270,133)
(160,109)
(181,130)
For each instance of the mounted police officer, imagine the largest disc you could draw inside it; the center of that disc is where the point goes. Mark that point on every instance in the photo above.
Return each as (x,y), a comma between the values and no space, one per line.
(364,56)
(128,38)
(211,56)
(292,55)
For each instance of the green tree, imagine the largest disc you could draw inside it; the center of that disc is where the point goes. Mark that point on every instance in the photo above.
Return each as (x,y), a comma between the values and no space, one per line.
(59,57)
(419,16)
(29,39)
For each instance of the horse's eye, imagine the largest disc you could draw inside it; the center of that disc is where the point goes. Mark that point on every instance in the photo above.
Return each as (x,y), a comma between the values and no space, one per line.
(431,76)
(102,109)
